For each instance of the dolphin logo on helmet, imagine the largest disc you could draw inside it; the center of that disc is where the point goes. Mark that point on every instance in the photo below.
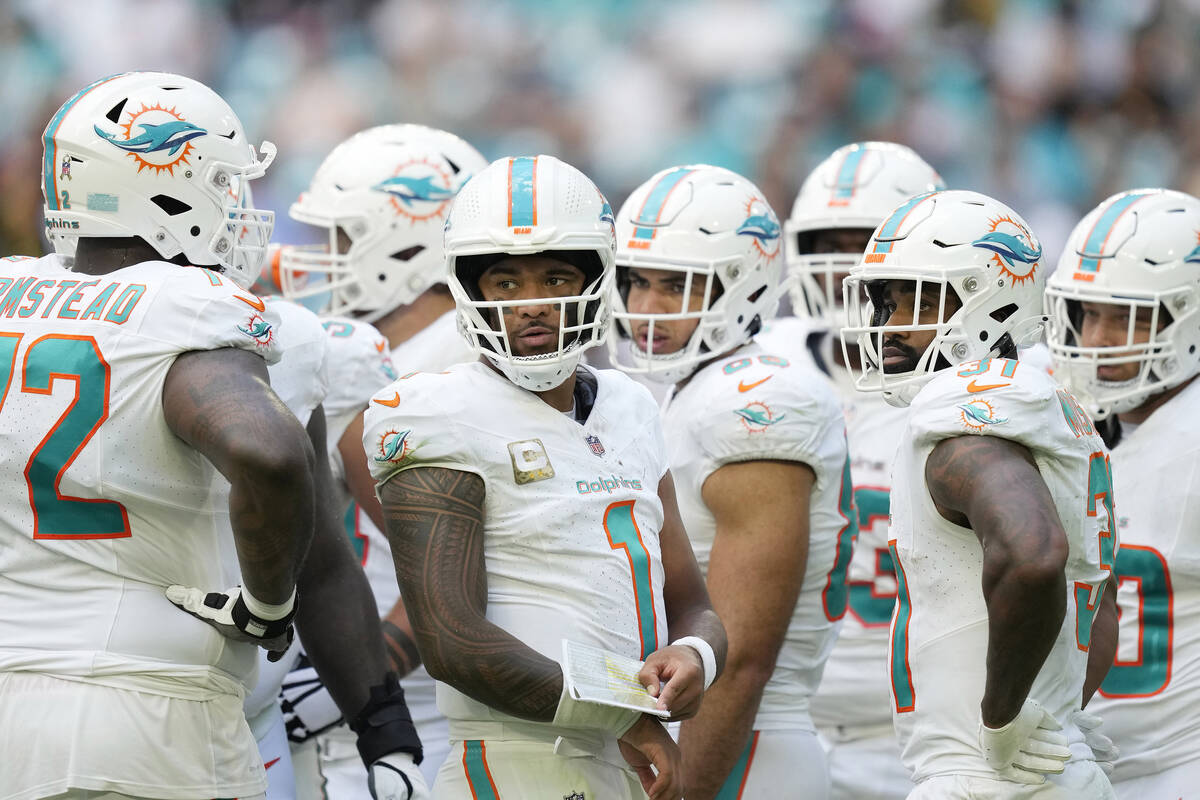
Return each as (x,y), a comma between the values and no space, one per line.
(761,226)
(169,136)
(411,190)
(1009,247)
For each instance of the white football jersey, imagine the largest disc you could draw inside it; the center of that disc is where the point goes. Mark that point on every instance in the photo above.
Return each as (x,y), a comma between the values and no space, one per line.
(939,633)
(572,510)
(1150,699)
(854,689)
(103,500)
(753,406)
(360,363)
(301,377)
(435,347)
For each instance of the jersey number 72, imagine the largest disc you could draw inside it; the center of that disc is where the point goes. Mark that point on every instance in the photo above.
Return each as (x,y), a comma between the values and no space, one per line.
(47,360)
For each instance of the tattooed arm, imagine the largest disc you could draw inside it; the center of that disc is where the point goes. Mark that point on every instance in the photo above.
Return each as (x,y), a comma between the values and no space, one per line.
(434,523)
(337,620)
(993,487)
(398,635)
(220,402)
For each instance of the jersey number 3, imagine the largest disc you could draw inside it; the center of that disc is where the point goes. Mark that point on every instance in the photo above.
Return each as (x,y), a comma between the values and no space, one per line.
(49,359)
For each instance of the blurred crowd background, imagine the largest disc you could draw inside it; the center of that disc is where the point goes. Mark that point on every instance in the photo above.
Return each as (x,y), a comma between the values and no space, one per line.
(1048,106)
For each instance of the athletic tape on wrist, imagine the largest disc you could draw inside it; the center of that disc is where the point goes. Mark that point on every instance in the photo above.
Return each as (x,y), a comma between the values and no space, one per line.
(267,611)
(707,657)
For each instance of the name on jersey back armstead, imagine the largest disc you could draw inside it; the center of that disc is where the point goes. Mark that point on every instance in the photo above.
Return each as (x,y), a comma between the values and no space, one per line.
(79,300)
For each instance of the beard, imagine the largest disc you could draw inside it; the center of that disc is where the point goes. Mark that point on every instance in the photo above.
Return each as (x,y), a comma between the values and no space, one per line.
(911,357)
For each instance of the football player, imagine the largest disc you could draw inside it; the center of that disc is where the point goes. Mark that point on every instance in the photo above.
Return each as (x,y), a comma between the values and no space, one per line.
(758,446)
(1002,532)
(528,502)
(380,198)
(839,205)
(130,383)
(1123,305)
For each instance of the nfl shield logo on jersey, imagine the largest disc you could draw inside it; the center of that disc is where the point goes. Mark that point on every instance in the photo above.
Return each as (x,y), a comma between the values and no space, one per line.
(595,443)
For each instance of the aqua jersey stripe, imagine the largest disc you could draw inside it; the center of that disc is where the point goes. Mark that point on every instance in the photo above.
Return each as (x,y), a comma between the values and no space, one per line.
(522,210)
(843,187)
(1102,229)
(732,788)
(478,778)
(902,682)
(656,199)
(50,150)
(893,223)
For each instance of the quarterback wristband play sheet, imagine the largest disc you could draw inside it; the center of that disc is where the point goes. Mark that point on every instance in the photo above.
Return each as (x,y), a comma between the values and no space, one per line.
(601,688)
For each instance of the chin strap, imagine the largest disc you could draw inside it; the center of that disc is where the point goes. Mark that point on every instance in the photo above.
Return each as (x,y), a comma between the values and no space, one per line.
(384,725)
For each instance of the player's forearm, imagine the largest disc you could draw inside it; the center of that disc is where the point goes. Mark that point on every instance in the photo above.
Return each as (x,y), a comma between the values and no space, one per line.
(271,513)
(434,524)
(1103,646)
(487,664)
(1026,602)
(399,640)
(338,625)
(712,741)
(701,621)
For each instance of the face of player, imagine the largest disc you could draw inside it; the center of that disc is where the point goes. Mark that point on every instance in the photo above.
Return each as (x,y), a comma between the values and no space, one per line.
(903,306)
(532,329)
(1107,325)
(839,240)
(662,291)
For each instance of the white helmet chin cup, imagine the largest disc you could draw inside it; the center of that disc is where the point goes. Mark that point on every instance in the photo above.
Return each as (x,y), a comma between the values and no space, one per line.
(531,205)
(1137,250)
(856,187)
(964,248)
(160,157)
(716,230)
(387,189)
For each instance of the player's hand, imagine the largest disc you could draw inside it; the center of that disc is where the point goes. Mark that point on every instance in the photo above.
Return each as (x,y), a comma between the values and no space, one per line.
(1103,749)
(648,744)
(680,669)
(396,777)
(308,708)
(228,612)
(1028,748)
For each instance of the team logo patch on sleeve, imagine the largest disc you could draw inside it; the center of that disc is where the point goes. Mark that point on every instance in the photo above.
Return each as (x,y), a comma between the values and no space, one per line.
(530,461)
(394,446)
(979,414)
(259,330)
(757,417)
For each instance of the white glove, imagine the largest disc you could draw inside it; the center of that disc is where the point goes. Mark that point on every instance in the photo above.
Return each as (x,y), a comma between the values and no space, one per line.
(1028,748)
(396,777)
(1103,748)
(308,708)
(237,615)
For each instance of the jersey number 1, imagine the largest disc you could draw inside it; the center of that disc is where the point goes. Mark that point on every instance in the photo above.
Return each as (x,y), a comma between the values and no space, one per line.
(623,534)
(51,358)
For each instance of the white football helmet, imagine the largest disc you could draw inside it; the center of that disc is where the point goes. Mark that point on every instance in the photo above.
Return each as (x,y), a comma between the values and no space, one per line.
(1139,250)
(714,226)
(964,243)
(388,189)
(856,187)
(525,206)
(160,157)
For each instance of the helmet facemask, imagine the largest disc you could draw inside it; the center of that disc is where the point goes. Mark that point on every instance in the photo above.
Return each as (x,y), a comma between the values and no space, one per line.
(1161,362)
(870,312)
(583,318)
